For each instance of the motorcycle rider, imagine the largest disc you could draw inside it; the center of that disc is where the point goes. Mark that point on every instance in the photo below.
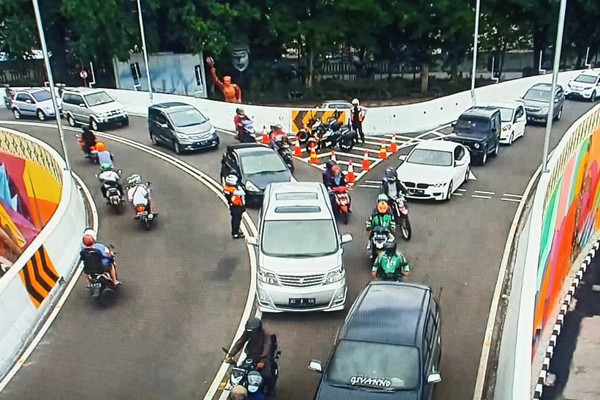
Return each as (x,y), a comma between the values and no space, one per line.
(104,156)
(258,347)
(138,193)
(391,264)
(236,198)
(89,140)
(109,178)
(238,392)
(381,217)
(90,250)
(327,174)
(238,120)
(278,135)
(391,185)
(336,179)
(357,116)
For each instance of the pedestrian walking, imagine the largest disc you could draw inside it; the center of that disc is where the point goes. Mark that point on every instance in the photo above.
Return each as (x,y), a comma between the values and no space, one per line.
(236,197)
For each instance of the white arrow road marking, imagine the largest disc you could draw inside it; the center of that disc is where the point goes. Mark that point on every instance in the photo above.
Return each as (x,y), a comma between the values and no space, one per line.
(472,176)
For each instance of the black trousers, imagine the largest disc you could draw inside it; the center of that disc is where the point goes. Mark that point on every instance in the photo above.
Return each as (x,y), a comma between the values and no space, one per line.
(236,218)
(357,126)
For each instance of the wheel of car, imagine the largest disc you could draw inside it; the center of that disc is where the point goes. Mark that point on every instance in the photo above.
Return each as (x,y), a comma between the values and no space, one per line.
(449,194)
(154,139)
(511,139)
(467,175)
(16,113)
(71,120)
(593,96)
(559,116)
(94,124)
(484,157)
(125,122)
(496,149)
(176,147)
(41,116)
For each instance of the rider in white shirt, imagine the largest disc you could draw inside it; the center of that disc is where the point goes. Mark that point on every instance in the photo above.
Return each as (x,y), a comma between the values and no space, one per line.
(109,178)
(138,193)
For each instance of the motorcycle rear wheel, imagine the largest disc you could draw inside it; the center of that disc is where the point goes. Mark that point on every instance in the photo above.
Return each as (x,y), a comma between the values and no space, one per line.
(405,228)
(106,297)
(344,217)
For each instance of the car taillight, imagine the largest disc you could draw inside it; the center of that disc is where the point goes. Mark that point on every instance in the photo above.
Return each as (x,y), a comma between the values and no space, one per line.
(140,209)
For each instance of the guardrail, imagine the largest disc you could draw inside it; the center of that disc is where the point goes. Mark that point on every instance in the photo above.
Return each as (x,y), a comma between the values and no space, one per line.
(563,219)
(395,119)
(29,287)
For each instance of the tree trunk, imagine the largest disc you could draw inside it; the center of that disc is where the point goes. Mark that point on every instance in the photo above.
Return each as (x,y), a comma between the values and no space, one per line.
(424,78)
(454,71)
(311,67)
(502,58)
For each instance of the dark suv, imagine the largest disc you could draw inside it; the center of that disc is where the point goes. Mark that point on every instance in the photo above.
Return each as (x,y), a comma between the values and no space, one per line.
(181,126)
(389,347)
(478,128)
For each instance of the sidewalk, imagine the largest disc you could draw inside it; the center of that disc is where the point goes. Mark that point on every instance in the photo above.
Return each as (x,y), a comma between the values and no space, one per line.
(576,361)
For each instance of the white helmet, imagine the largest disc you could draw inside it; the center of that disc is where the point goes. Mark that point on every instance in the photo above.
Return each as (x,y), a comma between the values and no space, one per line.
(231,180)
(355,102)
(134,179)
(90,232)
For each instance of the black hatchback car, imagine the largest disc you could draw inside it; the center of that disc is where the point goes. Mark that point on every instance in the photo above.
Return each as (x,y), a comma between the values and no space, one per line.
(180,126)
(389,347)
(478,128)
(256,166)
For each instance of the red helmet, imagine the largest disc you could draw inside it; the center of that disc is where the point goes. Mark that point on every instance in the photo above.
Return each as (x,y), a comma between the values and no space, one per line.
(88,240)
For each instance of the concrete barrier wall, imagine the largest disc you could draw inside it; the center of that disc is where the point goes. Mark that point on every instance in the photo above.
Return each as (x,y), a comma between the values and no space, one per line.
(397,119)
(29,287)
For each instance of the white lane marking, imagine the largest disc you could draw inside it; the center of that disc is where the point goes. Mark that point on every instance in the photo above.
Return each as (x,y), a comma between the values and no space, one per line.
(372,182)
(472,176)
(519,196)
(483,192)
(213,186)
(480,197)
(461,190)
(456,194)
(369,186)
(63,298)
(513,200)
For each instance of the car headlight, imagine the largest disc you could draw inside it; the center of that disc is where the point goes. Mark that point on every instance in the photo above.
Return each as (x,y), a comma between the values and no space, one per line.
(506,128)
(213,131)
(335,275)
(180,136)
(476,145)
(569,85)
(439,185)
(252,187)
(267,277)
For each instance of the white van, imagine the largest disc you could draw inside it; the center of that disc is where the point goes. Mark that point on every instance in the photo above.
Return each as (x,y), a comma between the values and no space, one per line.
(300,265)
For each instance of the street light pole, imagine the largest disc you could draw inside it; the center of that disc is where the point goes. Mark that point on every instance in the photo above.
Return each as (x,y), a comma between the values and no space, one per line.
(61,134)
(475,43)
(555,68)
(145,53)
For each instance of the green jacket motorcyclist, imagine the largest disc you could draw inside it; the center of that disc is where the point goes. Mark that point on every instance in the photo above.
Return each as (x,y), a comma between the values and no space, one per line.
(381,218)
(390,264)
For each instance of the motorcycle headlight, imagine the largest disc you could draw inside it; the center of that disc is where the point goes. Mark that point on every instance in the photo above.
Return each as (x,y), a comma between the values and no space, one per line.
(336,275)
(237,375)
(379,245)
(252,187)
(255,380)
(476,145)
(267,277)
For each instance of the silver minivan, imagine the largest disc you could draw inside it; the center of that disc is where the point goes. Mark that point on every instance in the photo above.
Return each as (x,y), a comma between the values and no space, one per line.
(299,261)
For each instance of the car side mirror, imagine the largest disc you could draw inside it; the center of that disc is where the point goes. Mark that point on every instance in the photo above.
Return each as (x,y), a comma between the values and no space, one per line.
(164,126)
(28,101)
(346,238)
(556,100)
(453,124)
(434,378)
(81,105)
(252,241)
(315,365)
(402,157)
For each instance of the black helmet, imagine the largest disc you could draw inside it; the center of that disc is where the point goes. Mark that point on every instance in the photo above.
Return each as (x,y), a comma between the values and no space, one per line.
(239,111)
(390,248)
(330,164)
(85,128)
(390,174)
(253,324)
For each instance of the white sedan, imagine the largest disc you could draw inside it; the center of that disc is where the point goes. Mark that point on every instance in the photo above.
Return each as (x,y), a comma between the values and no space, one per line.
(434,169)
(514,119)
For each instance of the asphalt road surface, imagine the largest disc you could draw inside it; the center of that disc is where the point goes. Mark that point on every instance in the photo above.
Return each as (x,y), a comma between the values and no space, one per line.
(456,248)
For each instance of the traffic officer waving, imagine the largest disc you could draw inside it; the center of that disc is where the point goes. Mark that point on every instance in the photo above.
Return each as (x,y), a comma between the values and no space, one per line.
(236,199)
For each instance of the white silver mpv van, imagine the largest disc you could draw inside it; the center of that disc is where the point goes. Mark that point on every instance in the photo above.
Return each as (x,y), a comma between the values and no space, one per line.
(300,266)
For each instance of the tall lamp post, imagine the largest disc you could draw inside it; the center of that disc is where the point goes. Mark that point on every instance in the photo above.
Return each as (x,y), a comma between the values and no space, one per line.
(475,43)
(61,134)
(555,67)
(144,52)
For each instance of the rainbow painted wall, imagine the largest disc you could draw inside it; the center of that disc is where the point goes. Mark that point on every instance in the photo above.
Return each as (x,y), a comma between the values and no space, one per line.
(30,191)
(571,215)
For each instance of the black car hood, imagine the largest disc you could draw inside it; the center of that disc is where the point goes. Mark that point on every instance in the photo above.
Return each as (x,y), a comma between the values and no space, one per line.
(262,180)
(327,392)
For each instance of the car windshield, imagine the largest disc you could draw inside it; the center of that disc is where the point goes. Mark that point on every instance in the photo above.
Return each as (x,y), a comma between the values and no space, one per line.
(538,95)
(506,114)
(261,163)
(586,78)
(468,124)
(42,95)
(95,99)
(299,238)
(374,365)
(188,117)
(430,157)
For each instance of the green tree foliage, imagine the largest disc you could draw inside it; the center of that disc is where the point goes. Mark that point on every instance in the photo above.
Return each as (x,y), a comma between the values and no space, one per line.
(18,32)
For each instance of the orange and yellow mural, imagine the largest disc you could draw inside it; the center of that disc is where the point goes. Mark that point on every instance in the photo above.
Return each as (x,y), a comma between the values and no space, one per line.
(571,216)
(29,196)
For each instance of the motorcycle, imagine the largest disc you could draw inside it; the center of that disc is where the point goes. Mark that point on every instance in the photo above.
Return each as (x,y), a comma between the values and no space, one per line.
(381,236)
(335,134)
(113,194)
(400,210)
(142,213)
(247,135)
(342,202)
(100,284)
(91,153)
(285,152)
(8,97)
(305,133)
(247,374)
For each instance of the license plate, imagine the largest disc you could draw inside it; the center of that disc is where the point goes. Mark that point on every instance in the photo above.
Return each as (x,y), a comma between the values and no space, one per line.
(302,302)
(203,142)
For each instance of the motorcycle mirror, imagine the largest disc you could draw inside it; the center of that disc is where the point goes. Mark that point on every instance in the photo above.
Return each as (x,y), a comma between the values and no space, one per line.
(96,175)
(225,350)
(119,171)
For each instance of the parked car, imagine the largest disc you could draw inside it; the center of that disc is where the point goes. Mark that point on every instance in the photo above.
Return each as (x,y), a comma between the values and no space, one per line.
(256,166)
(33,102)
(181,126)
(299,257)
(585,86)
(513,119)
(341,105)
(95,107)
(434,169)
(388,348)
(537,100)
(478,128)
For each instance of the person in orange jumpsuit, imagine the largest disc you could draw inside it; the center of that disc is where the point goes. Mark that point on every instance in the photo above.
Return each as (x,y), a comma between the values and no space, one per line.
(231,91)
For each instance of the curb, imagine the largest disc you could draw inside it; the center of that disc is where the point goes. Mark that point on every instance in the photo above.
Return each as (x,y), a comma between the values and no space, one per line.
(564,307)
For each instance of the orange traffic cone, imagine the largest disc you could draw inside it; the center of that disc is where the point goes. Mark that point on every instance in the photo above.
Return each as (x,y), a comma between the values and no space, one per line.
(350,174)
(265,138)
(313,155)
(383,151)
(297,149)
(333,158)
(366,164)
(393,147)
